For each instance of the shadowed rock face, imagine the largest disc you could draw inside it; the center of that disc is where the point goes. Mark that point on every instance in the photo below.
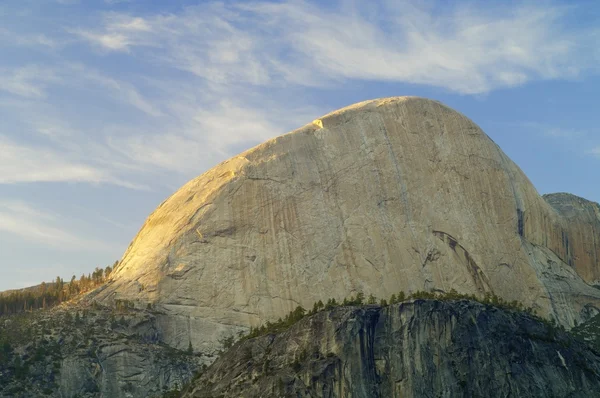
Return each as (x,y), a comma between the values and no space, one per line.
(386,195)
(414,349)
(77,351)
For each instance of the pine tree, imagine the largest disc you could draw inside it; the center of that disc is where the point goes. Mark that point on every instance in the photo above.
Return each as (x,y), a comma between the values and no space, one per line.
(371,299)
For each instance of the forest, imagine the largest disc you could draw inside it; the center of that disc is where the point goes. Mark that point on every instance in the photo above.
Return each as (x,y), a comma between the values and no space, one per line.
(46,295)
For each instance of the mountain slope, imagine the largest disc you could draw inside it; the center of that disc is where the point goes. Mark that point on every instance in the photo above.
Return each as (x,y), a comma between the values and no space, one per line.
(392,194)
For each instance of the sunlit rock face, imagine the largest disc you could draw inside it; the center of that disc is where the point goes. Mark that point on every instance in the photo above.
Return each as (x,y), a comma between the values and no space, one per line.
(386,195)
(583,228)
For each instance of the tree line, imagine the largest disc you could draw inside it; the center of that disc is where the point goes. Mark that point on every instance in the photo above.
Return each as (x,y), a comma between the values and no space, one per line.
(360,299)
(47,295)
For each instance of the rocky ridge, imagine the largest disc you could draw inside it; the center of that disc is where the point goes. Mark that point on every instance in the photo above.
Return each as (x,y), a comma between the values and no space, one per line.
(423,348)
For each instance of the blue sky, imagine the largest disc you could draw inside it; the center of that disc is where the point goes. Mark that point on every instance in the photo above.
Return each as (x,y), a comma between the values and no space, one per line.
(108,106)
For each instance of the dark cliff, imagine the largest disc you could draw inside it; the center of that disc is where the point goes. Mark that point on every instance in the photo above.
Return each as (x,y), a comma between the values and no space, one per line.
(424,348)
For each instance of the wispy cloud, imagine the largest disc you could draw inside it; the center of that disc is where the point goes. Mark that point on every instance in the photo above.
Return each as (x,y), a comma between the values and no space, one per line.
(108,41)
(119,33)
(24,209)
(28,81)
(212,77)
(205,135)
(33,81)
(8,38)
(595,151)
(124,23)
(231,52)
(120,91)
(20,163)
(35,225)
(469,50)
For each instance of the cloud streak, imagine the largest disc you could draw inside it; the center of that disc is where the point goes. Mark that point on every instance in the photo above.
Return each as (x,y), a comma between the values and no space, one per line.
(22,164)
(31,224)
(29,81)
(467,50)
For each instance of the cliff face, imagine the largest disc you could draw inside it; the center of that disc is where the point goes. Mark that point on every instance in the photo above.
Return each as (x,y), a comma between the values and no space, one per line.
(386,195)
(85,352)
(414,349)
(582,228)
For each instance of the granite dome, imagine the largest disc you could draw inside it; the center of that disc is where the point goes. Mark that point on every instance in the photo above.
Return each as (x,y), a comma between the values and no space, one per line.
(391,194)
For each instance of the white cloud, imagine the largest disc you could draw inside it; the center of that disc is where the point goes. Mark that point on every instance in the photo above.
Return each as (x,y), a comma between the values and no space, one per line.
(596,151)
(130,24)
(120,32)
(22,164)
(33,81)
(205,41)
(205,135)
(468,50)
(28,81)
(109,41)
(241,59)
(31,224)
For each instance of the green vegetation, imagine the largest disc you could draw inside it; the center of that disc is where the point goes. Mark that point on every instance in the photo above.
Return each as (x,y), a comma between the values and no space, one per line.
(281,324)
(176,393)
(47,295)
(358,300)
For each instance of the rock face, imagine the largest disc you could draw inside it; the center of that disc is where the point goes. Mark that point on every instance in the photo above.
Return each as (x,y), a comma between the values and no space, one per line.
(386,195)
(79,352)
(582,227)
(414,349)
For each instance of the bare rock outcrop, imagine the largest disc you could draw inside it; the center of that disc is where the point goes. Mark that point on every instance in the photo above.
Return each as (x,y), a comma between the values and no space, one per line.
(386,195)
